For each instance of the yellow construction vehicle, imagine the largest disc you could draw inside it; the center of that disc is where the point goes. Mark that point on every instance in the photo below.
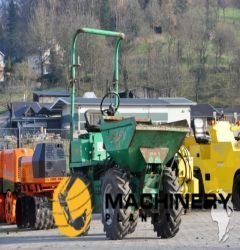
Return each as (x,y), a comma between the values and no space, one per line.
(188,183)
(210,159)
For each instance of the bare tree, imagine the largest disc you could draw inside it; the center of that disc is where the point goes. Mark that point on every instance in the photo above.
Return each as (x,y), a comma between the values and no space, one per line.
(25,77)
(223,41)
(41,30)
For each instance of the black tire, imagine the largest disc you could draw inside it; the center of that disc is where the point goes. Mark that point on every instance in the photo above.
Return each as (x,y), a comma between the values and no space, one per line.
(236,192)
(47,209)
(42,213)
(36,224)
(166,223)
(133,221)
(20,214)
(24,214)
(116,181)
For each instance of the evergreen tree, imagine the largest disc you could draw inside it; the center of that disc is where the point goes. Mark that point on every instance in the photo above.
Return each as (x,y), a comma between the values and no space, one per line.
(12,31)
(105,16)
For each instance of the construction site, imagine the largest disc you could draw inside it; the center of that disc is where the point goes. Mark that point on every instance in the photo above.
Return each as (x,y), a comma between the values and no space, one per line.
(119,170)
(115,168)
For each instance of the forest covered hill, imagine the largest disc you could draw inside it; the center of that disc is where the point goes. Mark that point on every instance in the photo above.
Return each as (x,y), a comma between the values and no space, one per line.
(190,47)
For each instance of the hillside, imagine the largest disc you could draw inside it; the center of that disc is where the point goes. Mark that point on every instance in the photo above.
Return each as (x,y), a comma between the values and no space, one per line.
(191,47)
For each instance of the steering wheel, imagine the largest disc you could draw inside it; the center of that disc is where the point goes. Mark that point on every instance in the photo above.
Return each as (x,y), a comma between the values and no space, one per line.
(111,110)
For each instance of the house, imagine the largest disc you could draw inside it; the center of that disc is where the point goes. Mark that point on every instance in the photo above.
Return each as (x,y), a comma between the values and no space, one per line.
(34,62)
(40,62)
(160,110)
(37,113)
(2,66)
(51,109)
(204,111)
(33,115)
(230,113)
(49,96)
(147,92)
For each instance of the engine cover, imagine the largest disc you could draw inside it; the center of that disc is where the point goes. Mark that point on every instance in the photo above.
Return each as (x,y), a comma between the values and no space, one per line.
(49,160)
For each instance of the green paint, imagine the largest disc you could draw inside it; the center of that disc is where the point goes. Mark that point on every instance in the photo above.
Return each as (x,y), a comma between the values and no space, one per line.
(123,140)
(97,196)
(142,149)
(98,32)
(8,186)
(87,150)
(151,182)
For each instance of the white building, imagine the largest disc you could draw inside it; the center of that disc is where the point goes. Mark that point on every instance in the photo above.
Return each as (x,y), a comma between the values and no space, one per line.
(160,110)
(35,60)
(2,65)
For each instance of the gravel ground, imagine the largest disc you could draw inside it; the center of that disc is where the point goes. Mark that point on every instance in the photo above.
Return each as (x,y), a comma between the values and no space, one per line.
(198,231)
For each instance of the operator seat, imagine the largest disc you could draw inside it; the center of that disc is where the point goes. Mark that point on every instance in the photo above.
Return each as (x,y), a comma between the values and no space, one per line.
(200,133)
(92,118)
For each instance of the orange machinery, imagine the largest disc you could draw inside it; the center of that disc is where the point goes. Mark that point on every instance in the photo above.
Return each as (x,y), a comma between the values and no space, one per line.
(27,182)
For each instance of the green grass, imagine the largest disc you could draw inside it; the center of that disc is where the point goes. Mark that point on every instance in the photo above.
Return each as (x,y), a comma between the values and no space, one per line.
(140,48)
(55,88)
(5,98)
(2,109)
(231,14)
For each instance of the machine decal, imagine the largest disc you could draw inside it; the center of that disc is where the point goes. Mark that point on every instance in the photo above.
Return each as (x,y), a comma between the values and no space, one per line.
(72,206)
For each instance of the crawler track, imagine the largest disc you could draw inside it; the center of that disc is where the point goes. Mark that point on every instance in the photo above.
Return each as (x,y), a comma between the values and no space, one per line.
(43,214)
(34,212)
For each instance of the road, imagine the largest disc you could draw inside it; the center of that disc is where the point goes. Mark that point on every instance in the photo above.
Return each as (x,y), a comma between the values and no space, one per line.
(197,231)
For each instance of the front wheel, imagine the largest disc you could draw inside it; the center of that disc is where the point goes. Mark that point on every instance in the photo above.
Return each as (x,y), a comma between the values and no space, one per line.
(166,223)
(116,219)
(236,192)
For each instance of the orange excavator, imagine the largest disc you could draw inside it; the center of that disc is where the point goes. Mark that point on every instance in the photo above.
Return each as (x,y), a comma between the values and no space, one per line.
(27,181)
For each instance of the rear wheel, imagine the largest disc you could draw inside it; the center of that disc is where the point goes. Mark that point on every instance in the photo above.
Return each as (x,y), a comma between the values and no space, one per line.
(2,211)
(236,192)
(37,213)
(10,208)
(20,212)
(133,221)
(42,211)
(25,217)
(166,223)
(116,220)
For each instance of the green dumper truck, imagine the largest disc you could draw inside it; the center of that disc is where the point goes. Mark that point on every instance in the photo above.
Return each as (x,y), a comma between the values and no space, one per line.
(126,161)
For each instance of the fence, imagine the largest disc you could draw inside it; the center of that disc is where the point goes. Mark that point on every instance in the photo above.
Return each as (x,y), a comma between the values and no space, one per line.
(30,137)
